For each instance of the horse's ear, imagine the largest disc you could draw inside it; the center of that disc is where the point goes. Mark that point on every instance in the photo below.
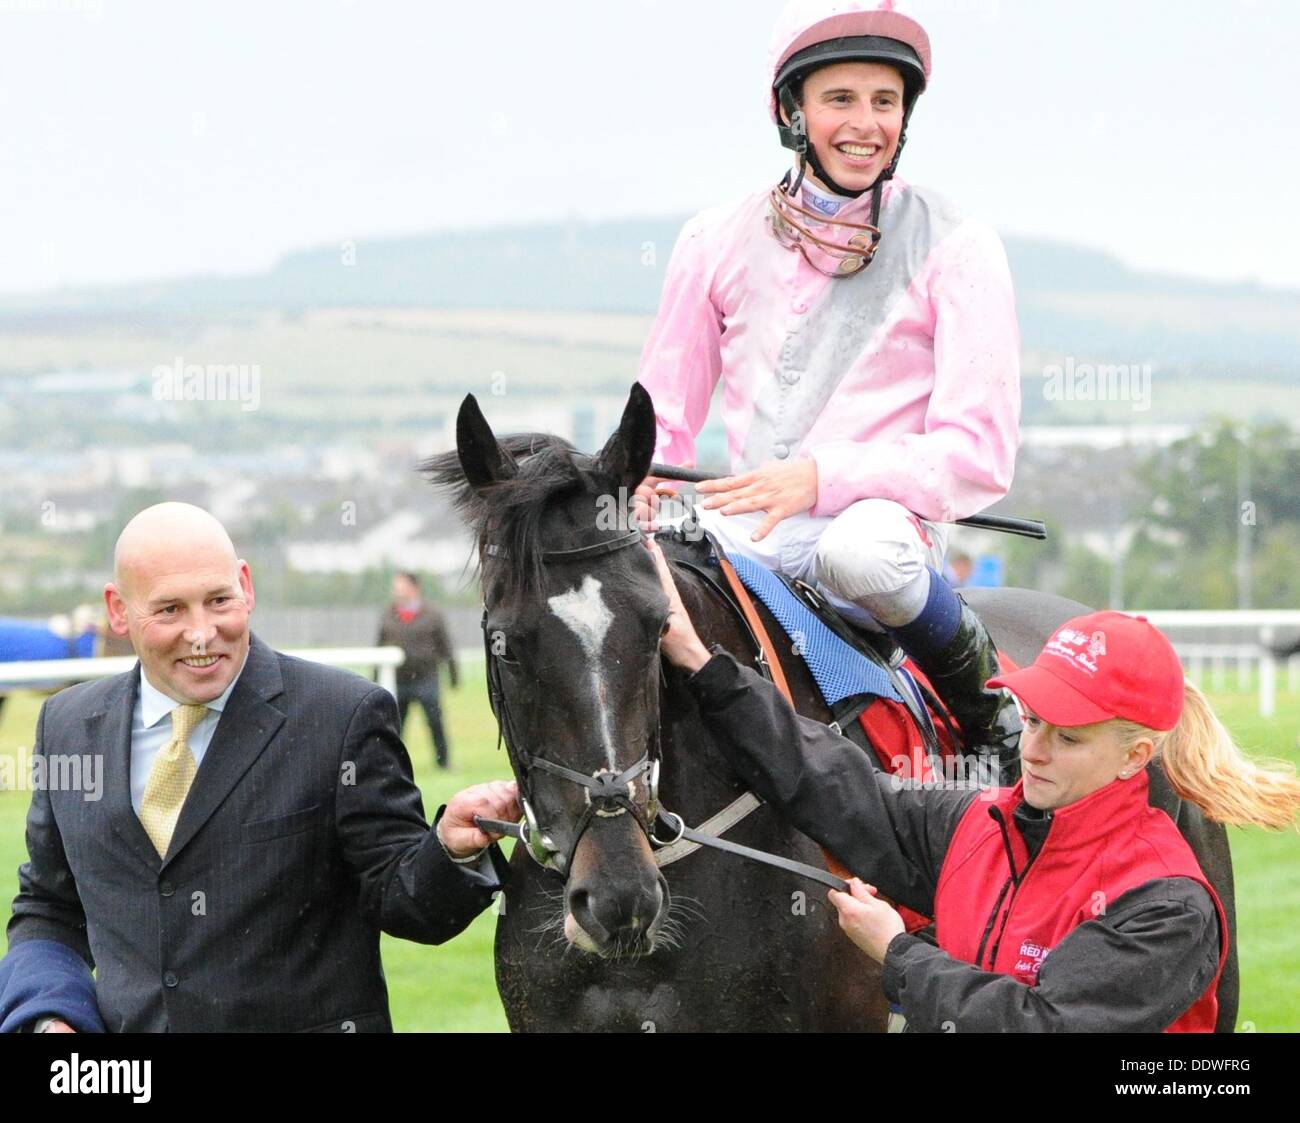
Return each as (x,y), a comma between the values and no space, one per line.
(628,454)
(482,458)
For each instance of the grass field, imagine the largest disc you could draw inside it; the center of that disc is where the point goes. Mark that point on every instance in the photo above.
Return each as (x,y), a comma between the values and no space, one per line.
(451,987)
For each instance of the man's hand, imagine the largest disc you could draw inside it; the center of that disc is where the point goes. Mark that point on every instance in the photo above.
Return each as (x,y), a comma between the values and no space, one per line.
(868,922)
(781,488)
(681,643)
(645,500)
(58,1025)
(498,799)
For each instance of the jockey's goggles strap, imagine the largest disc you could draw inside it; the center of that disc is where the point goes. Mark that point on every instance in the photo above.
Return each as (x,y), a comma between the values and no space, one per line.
(789,229)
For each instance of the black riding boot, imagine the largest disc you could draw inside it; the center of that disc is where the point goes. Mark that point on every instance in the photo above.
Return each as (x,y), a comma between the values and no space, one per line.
(989,721)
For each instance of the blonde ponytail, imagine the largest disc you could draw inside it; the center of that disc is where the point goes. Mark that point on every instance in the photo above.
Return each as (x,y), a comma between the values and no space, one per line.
(1207,768)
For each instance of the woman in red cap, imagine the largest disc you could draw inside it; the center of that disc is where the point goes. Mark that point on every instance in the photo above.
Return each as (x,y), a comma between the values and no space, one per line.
(1064,903)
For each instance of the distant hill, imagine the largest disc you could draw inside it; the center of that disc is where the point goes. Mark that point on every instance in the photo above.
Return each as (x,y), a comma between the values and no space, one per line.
(1073,300)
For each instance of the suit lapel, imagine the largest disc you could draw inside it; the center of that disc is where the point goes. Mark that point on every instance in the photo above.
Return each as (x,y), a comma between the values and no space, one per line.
(247,725)
(108,730)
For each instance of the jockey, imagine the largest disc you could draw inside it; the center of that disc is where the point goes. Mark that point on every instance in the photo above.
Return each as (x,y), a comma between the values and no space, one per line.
(1066,902)
(866,336)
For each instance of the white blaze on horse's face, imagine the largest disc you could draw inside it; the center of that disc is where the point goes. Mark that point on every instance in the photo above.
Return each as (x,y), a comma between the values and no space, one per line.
(584,612)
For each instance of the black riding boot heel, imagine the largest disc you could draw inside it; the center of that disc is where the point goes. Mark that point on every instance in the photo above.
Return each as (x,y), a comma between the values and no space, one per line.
(989,720)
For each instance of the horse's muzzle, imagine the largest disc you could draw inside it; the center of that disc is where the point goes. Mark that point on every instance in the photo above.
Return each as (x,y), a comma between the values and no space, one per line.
(616,899)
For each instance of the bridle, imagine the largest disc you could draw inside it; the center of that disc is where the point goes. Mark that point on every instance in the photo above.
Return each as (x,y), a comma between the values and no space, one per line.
(608,793)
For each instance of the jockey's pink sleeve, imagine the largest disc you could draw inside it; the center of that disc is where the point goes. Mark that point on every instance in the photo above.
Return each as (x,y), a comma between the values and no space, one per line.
(682,361)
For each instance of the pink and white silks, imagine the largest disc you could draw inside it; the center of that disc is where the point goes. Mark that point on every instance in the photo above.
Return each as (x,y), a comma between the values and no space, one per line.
(901,382)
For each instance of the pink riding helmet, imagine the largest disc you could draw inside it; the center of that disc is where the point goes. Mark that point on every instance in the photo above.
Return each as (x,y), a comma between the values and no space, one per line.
(805,23)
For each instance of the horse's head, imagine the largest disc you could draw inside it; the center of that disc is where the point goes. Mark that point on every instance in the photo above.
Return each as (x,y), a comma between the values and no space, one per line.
(573,615)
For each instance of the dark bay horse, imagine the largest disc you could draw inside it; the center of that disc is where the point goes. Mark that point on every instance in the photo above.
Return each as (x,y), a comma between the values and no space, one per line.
(594,935)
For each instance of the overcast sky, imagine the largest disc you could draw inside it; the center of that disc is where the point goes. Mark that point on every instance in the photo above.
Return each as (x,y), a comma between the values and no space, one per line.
(147,139)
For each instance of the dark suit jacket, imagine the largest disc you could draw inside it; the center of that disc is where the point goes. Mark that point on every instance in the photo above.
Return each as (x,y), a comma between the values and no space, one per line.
(302,837)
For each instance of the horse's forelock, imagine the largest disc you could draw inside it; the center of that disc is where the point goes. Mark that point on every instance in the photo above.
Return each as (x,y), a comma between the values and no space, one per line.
(508,514)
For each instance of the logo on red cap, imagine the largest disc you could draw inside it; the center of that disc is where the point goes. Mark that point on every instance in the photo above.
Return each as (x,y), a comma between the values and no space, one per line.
(1079,647)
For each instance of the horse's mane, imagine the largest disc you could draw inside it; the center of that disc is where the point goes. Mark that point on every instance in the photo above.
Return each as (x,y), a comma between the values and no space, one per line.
(508,514)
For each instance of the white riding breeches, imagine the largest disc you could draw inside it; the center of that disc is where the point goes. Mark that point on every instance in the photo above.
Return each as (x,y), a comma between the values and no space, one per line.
(870,561)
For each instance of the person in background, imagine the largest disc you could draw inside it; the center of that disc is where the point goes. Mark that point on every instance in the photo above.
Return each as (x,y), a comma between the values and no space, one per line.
(959,569)
(419,629)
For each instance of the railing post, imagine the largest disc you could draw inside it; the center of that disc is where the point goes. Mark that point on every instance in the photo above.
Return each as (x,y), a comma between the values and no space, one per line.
(1267,673)
(1219,677)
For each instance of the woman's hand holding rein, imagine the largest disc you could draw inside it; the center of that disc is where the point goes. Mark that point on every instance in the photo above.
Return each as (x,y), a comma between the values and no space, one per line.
(681,643)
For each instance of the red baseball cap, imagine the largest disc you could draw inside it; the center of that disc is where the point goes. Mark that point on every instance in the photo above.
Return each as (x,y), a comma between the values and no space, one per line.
(1103,666)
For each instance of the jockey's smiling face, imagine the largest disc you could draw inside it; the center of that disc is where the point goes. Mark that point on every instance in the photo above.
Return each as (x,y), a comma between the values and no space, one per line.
(855,115)
(1063,764)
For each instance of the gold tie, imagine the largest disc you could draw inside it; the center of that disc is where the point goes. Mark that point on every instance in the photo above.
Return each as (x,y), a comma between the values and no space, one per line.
(170,779)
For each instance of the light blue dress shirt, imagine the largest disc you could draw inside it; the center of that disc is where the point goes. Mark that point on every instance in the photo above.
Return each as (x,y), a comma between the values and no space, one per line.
(151,729)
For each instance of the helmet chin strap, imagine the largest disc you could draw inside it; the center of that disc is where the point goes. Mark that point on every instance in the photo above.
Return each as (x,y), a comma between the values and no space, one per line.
(808,155)
(820,169)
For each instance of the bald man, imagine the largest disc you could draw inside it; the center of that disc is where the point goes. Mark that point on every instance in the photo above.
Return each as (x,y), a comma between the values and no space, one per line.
(258,826)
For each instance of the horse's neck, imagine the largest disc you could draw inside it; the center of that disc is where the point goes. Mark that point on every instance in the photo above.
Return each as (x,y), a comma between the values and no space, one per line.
(695,772)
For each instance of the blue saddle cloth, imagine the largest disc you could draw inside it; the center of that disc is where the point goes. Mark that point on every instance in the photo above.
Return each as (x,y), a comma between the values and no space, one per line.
(839,670)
